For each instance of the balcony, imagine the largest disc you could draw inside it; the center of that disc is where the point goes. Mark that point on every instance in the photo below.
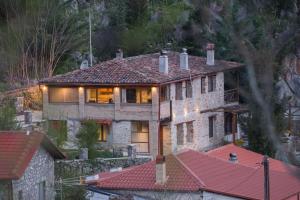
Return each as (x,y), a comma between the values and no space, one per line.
(231,96)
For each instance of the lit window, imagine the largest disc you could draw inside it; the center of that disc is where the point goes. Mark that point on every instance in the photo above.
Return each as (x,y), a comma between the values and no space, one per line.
(63,95)
(180,134)
(212,83)
(140,135)
(103,132)
(137,95)
(99,95)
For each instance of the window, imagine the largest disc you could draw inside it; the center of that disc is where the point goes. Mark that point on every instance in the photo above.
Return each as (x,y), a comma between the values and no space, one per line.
(180,134)
(140,135)
(63,95)
(212,121)
(203,85)
(100,95)
(178,91)
(20,195)
(228,123)
(189,89)
(42,190)
(165,93)
(137,95)
(103,132)
(212,83)
(189,132)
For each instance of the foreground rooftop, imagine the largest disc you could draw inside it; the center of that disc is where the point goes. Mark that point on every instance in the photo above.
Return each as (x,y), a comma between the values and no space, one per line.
(192,171)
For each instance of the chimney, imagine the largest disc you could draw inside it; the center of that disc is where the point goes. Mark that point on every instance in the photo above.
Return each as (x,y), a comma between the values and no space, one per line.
(163,62)
(119,54)
(184,59)
(233,158)
(210,59)
(160,170)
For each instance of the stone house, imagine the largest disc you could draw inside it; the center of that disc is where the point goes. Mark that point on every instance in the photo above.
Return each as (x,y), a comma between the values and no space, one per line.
(161,103)
(225,173)
(27,166)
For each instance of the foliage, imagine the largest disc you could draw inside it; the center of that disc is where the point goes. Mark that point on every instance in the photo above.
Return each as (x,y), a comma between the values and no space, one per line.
(88,136)
(57,131)
(8,117)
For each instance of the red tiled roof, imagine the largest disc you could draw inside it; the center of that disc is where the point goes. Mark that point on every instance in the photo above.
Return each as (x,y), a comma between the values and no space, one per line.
(17,150)
(141,69)
(195,171)
(248,158)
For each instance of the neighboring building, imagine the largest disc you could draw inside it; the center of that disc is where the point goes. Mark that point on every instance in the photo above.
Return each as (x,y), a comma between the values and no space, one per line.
(160,102)
(197,175)
(27,166)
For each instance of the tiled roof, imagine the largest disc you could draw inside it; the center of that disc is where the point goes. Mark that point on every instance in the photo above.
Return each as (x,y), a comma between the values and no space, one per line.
(17,150)
(143,69)
(248,158)
(191,171)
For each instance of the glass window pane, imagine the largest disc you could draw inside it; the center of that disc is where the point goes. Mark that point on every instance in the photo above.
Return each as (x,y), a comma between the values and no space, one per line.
(105,95)
(131,95)
(140,135)
(63,95)
(91,95)
(146,95)
(179,134)
(178,91)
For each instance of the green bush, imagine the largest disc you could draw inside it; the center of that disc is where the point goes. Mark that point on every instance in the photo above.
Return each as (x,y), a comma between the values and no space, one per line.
(8,117)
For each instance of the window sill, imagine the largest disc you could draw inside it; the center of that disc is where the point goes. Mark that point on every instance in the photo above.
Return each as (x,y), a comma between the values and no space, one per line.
(63,103)
(99,104)
(136,104)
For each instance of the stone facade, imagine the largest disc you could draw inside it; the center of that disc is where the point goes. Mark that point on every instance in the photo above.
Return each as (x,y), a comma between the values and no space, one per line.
(40,171)
(122,114)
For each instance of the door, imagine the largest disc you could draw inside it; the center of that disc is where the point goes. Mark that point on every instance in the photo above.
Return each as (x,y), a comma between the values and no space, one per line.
(167,144)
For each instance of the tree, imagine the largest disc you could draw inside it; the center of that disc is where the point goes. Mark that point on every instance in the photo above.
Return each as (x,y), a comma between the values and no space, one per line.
(88,136)
(8,117)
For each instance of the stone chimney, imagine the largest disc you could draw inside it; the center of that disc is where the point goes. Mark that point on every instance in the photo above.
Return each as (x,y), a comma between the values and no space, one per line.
(210,57)
(184,59)
(119,54)
(233,158)
(160,170)
(163,62)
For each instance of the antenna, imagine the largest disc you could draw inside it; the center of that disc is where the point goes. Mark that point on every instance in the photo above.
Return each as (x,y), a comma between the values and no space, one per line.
(90,30)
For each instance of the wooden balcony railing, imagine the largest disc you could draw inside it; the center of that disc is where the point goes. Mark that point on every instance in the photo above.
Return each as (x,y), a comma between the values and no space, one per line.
(231,96)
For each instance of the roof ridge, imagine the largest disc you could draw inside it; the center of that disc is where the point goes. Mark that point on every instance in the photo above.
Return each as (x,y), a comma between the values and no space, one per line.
(190,172)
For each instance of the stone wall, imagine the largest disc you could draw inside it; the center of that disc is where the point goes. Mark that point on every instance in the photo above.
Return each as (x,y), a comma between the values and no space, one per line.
(189,109)
(40,168)
(5,190)
(90,167)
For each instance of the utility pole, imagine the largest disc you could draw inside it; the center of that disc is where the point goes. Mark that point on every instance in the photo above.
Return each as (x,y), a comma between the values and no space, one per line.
(266,178)
(90,31)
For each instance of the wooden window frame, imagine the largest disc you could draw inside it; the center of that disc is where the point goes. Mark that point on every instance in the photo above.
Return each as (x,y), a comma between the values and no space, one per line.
(69,102)
(97,102)
(203,85)
(181,136)
(189,89)
(140,97)
(101,126)
(212,83)
(164,93)
(148,138)
(178,95)
(211,125)
(187,132)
